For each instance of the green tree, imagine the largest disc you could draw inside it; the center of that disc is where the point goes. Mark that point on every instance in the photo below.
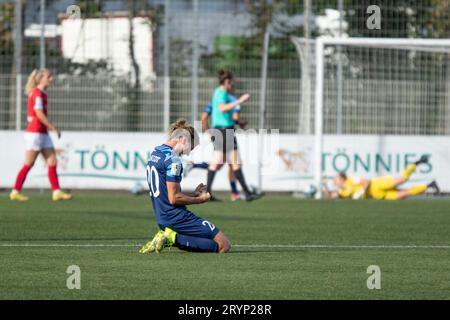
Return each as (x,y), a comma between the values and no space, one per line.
(7,66)
(438,23)
(262,12)
(401,18)
(231,51)
(7,20)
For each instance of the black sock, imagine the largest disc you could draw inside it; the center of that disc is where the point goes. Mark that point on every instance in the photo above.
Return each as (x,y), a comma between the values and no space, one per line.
(423,159)
(210,179)
(240,177)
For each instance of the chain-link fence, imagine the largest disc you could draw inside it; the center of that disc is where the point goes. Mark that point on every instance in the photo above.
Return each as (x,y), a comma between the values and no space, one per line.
(124,65)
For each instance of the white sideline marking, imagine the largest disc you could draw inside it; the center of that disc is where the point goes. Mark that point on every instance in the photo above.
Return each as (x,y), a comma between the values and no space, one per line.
(347,246)
(305,246)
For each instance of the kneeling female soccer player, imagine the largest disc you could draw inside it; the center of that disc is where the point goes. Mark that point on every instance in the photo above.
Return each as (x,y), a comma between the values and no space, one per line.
(178,226)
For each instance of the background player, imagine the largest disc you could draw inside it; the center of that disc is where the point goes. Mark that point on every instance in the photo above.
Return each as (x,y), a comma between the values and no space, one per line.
(178,226)
(205,124)
(37,139)
(380,188)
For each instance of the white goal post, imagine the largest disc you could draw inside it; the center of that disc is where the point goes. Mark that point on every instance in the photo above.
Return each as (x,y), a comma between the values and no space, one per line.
(373,46)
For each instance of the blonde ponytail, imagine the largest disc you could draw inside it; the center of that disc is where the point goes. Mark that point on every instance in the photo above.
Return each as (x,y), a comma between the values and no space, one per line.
(183,128)
(180,124)
(34,78)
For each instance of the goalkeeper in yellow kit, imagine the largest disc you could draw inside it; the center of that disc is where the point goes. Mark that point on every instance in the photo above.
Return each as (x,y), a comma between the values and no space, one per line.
(379,188)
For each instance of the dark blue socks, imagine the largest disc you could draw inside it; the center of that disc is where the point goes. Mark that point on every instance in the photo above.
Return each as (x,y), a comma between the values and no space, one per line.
(233,187)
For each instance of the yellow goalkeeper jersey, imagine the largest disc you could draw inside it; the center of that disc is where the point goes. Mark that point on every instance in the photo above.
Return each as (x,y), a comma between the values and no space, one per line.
(353,188)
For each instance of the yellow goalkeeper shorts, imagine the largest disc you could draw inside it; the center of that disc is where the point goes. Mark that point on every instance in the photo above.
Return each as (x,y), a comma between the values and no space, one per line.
(383,188)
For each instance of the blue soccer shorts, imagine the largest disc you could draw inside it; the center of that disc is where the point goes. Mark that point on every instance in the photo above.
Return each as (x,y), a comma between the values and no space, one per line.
(191,225)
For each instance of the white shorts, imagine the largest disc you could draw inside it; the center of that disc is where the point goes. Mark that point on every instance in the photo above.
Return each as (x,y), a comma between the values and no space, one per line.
(37,141)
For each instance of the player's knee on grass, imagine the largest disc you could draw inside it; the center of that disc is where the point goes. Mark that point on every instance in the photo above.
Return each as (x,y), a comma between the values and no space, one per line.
(222,242)
(224,246)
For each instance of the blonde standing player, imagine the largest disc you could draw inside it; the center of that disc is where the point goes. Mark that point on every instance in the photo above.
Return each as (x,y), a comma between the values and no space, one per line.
(37,139)
(380,188)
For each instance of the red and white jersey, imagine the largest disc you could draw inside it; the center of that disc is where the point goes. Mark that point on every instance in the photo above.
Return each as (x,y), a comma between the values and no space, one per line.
(37,100)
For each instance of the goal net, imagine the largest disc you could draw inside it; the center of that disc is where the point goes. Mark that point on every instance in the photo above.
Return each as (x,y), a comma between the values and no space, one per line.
(370,106)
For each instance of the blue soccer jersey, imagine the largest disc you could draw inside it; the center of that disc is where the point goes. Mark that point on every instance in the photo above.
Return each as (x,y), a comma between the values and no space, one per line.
(164,165)
(208,109)
(233,99)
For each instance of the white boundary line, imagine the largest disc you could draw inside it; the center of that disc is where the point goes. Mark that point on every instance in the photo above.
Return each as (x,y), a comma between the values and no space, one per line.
(305,246)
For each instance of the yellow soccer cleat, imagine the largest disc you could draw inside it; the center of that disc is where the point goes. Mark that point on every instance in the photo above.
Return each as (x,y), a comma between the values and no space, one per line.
(162,239)
(152,245)
(60,195)
(15,196)
(171,236)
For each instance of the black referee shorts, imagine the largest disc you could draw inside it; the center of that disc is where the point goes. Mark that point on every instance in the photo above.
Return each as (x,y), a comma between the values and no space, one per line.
(224,139)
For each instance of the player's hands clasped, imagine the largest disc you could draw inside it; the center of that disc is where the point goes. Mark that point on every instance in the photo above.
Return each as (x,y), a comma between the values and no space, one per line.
(200,189)
(202,193)
(205,196)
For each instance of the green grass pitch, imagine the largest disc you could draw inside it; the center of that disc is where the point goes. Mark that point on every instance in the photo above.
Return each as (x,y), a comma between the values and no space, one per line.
(284,248)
